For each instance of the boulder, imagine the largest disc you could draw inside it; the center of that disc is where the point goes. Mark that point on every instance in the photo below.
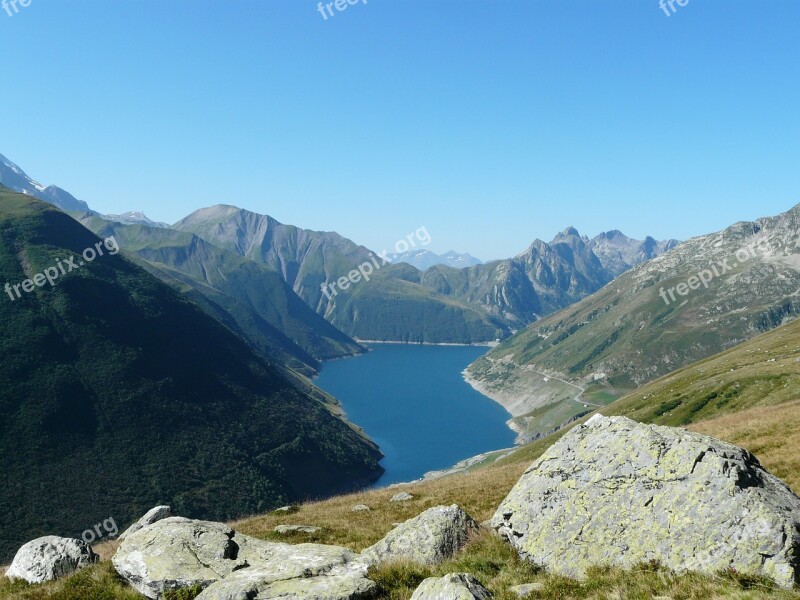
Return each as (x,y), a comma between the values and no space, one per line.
(153,515)
(402,497)
(287,529)
(361,508)
(616,492)
(456,586)
(260,584)
(433,536)
(49,558)
(177,553)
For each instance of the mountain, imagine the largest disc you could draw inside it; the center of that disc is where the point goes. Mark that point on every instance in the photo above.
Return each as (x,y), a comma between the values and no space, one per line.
(305,259)
(618,253)
(707,294)
(397,308)
(14,178)
(135,218)
(119,394)
(425,259)
(480,303)
(263,308)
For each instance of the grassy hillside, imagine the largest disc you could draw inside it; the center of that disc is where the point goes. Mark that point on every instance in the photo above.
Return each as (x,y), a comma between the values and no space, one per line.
(626,335)
(255,297)
(117,393)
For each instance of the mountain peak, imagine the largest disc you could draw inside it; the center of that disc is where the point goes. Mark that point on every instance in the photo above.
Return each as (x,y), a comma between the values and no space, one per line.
(15,179)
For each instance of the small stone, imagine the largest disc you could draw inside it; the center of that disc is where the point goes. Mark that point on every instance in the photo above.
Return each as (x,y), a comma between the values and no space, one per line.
(360,508)
(287,529)
(527,588)
(455,586)
(402,497)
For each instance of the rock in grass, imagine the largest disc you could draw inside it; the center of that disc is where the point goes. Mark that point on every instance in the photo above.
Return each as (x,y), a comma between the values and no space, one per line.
(527,588)
(287,529)
(456,586)
(177,553)
(433,536)
(402,497)
(152,516)
(260,584)
(360,508)
(49,558)
(616,492)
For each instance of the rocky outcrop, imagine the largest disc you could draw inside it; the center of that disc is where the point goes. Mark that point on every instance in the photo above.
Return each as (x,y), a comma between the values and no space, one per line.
(178,553)
(50,557)
(617,492)
(152,516)
(456,586)
(433,536)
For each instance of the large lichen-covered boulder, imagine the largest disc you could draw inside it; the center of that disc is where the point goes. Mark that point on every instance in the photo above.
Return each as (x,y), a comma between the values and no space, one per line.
(49,558)
(177,553)
(151,516)
(455,586)
(617,492)
(429,538)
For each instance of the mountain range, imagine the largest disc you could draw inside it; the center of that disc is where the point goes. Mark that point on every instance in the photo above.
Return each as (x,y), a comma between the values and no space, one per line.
(425,259)
(702,297)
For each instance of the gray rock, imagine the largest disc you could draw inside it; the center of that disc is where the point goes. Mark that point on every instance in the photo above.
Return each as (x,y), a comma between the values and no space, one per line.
(528,588)
(456,586)
(177,553)
(286,509)
(361,508)
(49,558)
(616,492)
(286,529)
(152,516)
(435,535)
(402,497)
(258,584)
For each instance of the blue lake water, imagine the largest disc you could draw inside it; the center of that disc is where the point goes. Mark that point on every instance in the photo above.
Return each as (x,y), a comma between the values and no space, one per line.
(414,403)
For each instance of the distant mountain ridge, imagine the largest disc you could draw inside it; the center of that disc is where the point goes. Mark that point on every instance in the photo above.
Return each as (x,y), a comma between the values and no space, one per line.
(15,179)
(425,259)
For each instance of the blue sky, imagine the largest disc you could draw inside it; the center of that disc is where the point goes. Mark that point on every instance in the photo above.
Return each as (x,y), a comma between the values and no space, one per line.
(491,123)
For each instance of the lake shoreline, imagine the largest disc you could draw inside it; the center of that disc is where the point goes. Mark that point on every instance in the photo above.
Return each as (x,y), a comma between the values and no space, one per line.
(473,344)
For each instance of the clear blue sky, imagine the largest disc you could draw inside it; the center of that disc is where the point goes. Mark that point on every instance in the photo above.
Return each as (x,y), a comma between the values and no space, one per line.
(491,123)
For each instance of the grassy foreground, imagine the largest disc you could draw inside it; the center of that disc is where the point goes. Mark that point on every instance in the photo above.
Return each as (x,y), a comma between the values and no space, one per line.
(769,432)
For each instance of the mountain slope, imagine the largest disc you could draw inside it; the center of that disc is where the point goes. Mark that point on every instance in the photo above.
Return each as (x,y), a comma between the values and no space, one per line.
(116,394)
(265,308)
(632,332)
(393,306)
(14,178)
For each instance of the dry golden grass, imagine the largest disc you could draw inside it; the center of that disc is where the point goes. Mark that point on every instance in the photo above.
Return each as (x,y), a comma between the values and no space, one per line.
(479,493)
(772,433)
